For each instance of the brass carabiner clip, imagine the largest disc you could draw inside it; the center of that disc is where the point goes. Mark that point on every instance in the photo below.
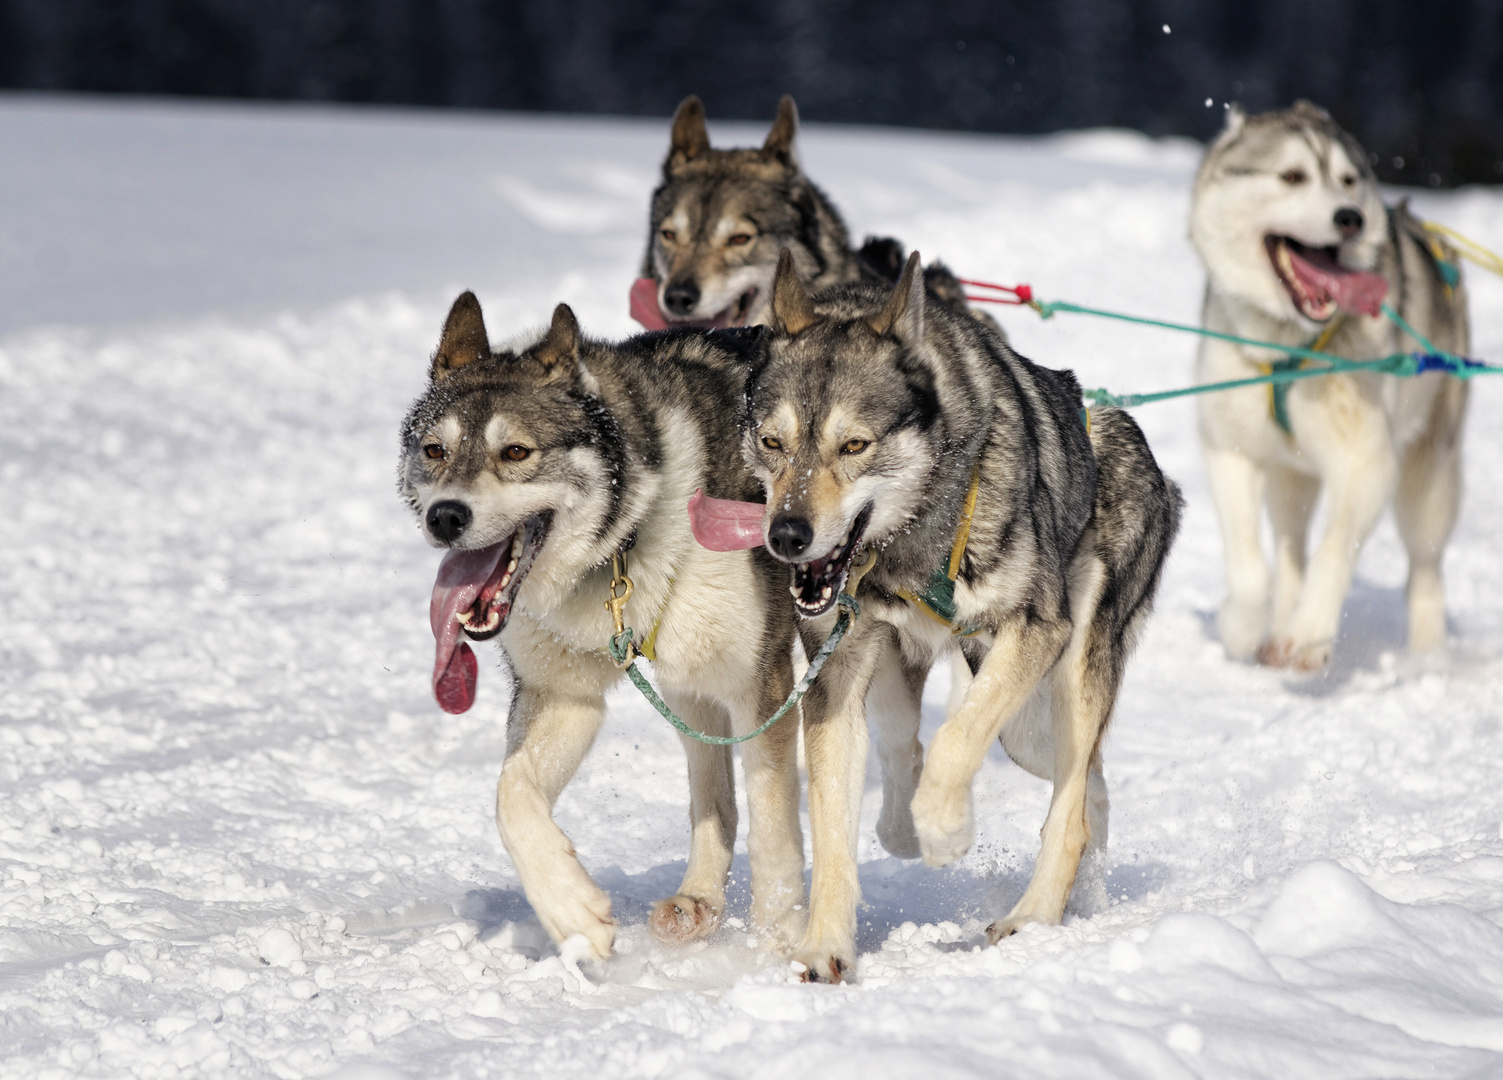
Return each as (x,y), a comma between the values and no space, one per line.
(621,590)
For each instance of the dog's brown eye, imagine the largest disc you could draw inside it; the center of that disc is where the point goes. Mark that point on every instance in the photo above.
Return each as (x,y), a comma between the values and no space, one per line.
(855,446)
(738,239)
(1293,177)
(669,235)
(516,453)
(1348,181)
(435,452)
(771,443)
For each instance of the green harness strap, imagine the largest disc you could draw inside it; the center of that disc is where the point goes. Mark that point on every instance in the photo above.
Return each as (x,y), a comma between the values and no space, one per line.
(1278,392)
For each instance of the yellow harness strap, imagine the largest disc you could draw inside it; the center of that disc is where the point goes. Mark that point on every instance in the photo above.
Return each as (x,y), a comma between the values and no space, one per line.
(963,533)
(938,601)
(649,646)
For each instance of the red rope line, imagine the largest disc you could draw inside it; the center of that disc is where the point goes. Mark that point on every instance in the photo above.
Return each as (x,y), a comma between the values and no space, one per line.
(1021,294)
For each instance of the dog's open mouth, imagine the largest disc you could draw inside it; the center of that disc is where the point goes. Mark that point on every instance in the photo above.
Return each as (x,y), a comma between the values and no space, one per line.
(1318,284)
(486,617)
(818,582)
(474,593)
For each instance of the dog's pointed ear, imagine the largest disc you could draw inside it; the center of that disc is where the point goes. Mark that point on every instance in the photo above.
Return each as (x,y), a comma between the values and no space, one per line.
(690,137)
(792,310)
(1308,110)
(559,349)
(1236,120)
(784,131)
(903,315)
(464,339)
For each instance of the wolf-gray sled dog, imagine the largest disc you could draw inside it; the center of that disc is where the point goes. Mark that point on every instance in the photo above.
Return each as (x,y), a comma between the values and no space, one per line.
(1300,249)
(535,466)
(885,425)
(720,219)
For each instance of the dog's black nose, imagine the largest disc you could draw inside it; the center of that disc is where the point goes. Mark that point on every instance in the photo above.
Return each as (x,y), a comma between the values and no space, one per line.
(790,537)
(680,297)
(447,519)
(1349,221)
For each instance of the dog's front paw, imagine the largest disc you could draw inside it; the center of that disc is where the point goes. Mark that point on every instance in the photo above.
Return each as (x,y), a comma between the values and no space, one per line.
(825,965)
(1241,628)
(1282,652)
(585,913)
(895,829)
(944,823)
(681,918)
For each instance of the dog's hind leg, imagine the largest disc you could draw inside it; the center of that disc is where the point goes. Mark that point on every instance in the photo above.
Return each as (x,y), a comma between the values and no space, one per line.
(695,910)
(960,682)
(894,704)
(1023,652)
(1237,488)
(1084,684)
(548,734)
(1425,507)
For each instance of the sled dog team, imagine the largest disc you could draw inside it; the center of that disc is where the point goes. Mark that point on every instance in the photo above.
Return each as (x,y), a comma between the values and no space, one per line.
(867,442)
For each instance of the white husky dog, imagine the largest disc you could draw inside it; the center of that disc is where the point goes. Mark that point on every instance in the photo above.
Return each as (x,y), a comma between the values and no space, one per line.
(1300,249)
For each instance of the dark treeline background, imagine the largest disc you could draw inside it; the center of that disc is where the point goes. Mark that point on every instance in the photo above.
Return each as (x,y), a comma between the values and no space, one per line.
(1419,81)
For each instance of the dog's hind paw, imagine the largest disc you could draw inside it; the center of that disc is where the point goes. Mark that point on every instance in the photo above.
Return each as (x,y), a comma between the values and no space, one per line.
(682,918)
(822,967)
(1007,927)
(896,832)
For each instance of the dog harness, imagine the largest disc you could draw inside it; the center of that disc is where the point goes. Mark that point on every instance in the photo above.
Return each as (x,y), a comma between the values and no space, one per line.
(938,600)
(1278,392)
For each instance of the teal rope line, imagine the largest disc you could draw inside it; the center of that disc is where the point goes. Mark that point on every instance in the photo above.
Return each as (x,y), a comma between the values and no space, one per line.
(1048,308)
(1398,321)
(1388,365)
(1398,364)
(620,646)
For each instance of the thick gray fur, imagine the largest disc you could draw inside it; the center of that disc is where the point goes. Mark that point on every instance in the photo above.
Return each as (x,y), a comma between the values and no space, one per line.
(1059,512)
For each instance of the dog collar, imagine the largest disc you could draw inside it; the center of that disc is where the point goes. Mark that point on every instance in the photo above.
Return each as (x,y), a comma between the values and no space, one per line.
(938,600)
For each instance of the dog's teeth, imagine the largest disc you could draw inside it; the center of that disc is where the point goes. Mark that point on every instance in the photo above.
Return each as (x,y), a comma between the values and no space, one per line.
(505,581)
(793,591)
(824,594)
(803,568)
(516,547)
(511,566)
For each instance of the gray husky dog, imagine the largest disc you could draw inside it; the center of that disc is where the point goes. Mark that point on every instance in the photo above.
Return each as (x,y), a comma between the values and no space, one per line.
(1299,249)
(720,219)
(901,438)
(536,467)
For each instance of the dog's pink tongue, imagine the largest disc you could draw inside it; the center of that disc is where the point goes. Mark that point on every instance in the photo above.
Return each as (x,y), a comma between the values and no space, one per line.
(461,576)
(1353,290)
(644,304)
(724,524)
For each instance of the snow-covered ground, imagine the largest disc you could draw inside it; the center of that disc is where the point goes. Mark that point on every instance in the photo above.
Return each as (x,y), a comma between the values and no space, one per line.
(238,839)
